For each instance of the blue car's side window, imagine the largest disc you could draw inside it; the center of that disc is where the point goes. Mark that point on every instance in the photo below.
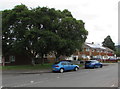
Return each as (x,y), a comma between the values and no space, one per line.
(69,63)
(63,63)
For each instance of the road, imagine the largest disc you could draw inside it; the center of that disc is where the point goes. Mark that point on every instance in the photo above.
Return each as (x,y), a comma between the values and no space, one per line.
(99,77)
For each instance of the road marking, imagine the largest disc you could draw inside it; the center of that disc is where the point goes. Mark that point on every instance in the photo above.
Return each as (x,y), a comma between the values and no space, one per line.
(28,84)
(58,77)
(31,81)
(113,85)
(1,87)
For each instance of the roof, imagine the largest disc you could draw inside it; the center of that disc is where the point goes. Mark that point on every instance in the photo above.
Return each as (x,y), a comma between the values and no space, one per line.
(108,49)
(96,46)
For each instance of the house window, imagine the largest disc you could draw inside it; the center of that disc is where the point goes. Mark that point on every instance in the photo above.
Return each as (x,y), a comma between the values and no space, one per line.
(98,51)
(74,58)
(93,50)
(105,51)
(12,58)
(87,49)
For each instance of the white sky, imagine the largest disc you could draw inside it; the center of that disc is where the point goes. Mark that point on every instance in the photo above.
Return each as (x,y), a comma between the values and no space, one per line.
(100,16)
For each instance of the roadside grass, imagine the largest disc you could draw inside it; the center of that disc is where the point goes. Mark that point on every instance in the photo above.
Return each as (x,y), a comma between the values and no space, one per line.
(20,67)
(81,65)
(30,67)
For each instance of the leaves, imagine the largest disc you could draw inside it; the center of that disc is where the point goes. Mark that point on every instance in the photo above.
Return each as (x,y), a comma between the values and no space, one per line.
(109,43)
(41,30)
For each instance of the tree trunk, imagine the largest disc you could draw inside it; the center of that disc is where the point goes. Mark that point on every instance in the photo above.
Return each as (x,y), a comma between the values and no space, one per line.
(42,59)
(33,61)
(3,61)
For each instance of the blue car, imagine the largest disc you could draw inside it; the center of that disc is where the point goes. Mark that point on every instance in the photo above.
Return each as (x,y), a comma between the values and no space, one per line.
(64,66)
(93,64)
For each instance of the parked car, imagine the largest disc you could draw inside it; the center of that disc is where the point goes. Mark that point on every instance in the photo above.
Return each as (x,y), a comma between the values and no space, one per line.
(64,66)
(93,64)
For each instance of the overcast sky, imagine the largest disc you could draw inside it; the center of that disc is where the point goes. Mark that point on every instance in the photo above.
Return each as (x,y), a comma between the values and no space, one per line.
(100,16)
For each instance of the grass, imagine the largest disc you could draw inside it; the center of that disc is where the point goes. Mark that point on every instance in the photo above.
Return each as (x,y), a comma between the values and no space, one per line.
(80,65)
(37,66)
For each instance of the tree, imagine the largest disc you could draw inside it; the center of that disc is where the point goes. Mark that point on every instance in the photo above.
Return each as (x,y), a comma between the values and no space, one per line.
(41,30)
(39,43)
(73,35)
(109,43)
(117,52)
(14,23)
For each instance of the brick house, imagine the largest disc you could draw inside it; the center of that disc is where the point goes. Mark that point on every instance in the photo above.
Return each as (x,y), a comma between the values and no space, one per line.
(91,50)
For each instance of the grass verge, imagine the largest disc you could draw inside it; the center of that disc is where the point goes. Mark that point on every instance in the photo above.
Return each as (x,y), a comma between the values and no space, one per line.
(20,67)
(30,67)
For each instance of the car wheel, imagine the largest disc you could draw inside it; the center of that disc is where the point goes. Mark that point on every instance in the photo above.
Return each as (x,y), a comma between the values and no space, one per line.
(61,70)
(75,69)
(94,66)
(101,66)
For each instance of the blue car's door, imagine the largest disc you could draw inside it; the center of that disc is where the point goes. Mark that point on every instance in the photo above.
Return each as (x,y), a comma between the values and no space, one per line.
(65,66)
(69,66)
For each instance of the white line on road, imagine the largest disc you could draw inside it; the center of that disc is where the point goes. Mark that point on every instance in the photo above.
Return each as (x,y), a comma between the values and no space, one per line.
(58,77)
(22,85)
(113,85)
(31,81)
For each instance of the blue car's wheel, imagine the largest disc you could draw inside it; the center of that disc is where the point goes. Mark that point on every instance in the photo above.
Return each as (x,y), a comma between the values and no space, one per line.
(76,68)
(61,70)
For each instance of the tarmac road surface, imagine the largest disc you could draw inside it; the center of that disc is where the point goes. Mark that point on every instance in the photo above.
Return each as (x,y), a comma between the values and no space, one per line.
(99,77)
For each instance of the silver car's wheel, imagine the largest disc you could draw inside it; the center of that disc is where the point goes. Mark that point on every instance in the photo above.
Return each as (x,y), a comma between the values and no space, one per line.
(61,70)
(76,69)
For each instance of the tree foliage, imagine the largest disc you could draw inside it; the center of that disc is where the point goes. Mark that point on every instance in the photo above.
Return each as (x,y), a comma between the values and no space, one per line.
(117,52)
(41,30)
(109,43)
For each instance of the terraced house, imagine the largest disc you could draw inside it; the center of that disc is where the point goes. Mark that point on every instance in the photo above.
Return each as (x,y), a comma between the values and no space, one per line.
(91,50)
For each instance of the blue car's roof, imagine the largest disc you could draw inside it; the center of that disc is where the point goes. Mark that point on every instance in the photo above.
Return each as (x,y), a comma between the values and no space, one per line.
(60,62)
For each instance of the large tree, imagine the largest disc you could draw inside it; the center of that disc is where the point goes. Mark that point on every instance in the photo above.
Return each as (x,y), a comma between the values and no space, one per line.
(41,30)
(109,43)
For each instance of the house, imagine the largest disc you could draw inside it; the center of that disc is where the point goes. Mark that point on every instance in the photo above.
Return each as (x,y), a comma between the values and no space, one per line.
(25,60)
(16,60)
(91,50)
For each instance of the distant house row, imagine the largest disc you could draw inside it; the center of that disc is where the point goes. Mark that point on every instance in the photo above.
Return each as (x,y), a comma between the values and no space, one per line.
(95,51)
(89,50)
